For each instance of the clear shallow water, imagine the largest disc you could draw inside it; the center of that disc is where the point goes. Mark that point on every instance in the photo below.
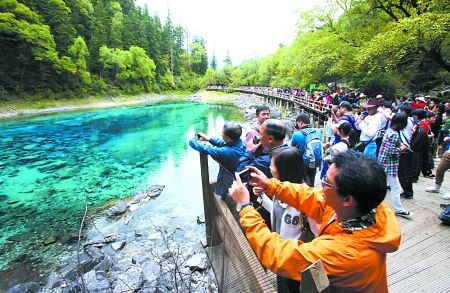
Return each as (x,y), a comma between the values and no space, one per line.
(50,166)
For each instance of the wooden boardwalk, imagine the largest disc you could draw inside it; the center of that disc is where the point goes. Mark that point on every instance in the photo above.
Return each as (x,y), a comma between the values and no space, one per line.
(422,264)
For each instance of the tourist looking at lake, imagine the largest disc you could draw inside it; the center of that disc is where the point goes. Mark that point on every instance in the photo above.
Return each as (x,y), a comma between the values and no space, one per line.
(252,137)
(287,165)
(357,229)
(226,150)
(273,133)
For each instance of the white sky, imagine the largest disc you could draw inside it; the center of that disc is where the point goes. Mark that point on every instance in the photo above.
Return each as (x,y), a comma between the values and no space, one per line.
(245,28)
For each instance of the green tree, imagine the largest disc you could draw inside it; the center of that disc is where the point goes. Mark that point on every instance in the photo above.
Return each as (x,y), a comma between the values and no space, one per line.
(199,58)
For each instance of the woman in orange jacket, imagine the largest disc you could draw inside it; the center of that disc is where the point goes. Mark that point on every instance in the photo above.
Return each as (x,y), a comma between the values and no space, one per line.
(356,233)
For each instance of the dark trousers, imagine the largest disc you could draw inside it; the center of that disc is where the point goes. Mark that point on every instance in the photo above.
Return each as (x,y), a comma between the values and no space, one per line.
(416,165)
(406,173)
(311,173)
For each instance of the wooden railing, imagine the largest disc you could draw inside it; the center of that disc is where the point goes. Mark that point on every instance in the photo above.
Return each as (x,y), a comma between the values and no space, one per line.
(313,106)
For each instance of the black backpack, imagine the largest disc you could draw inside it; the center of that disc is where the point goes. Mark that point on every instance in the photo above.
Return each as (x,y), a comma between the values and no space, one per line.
(420,140)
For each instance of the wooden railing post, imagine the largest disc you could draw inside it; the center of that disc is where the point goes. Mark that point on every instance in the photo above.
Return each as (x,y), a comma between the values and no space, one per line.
(212,235)
(315,279)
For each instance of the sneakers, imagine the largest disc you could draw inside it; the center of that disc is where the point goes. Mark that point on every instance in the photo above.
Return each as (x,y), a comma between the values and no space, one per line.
(446,196)
(405,214)
(429,176)
(432,189)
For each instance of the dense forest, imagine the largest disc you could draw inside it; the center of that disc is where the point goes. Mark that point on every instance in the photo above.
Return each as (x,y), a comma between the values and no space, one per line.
(397,47)
(80,47)
(93,46)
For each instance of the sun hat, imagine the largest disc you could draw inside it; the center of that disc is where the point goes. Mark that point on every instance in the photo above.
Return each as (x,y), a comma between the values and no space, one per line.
(372,102)
(420,99)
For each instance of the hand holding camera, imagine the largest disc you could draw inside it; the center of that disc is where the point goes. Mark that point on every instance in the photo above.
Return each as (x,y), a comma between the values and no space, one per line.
(201,136)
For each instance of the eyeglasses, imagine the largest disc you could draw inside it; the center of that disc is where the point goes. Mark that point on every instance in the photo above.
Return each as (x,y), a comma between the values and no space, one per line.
(325,183)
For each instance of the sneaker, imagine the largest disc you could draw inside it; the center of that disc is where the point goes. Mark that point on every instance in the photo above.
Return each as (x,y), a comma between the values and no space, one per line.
(405,214)
(446,196)
(429,176)
(432,189)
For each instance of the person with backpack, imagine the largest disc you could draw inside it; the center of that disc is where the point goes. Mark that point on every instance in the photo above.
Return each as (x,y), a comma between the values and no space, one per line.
(390,150)
(309,142)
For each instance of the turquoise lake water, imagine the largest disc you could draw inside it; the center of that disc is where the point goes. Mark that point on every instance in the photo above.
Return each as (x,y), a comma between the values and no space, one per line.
(50,166)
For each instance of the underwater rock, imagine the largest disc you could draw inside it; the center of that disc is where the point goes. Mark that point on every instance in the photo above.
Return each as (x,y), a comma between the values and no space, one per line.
(118,209)
(53,166)
(29,159)
(3,197)
(20,237)
(49,240)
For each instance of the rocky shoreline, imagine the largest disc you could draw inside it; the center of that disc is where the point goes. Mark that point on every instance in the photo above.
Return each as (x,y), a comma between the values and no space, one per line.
(128,259)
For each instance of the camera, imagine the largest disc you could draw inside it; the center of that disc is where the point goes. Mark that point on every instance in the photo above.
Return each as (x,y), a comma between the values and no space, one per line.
(198,135)
(256,140)
(245,175)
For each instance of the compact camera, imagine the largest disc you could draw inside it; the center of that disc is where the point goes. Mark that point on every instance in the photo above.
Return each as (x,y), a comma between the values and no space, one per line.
(245,175)
(256,140)
(198,135)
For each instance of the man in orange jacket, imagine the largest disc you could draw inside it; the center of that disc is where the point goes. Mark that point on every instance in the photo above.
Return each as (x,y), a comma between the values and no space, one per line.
(356,233)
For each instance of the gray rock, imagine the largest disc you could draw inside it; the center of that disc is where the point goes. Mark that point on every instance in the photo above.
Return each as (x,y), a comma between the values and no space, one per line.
(150,271)
(129,281)
(197,262)
(118,209)
(154,190)
(94,252)
(95,283)
(118,245)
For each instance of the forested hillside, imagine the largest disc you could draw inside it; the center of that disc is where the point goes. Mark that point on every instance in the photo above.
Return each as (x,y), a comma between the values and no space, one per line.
(395,46)
(93,46)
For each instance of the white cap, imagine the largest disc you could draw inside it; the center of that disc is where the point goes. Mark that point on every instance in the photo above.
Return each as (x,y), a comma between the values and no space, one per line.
(362,95)
(420,99)
(379,96)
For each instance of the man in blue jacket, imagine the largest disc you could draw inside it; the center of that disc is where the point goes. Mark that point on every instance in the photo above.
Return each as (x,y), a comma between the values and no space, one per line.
(226,151)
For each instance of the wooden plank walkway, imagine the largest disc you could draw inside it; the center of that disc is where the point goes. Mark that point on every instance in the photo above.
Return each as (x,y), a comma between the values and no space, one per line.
(422,264)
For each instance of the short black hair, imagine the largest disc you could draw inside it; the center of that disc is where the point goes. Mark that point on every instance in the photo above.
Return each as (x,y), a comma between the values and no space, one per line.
(420,113)
(362,177)
(232,130)
(275,128)
(261,108)
(303,117)
(399,121)
(430,114)
(289,164)
(405,108)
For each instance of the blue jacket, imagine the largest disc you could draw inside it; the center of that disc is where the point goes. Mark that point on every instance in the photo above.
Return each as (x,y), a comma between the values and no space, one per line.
(227,155)
(262,162)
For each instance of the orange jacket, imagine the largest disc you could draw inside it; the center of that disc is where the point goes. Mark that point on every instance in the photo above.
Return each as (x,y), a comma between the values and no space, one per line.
(355,261)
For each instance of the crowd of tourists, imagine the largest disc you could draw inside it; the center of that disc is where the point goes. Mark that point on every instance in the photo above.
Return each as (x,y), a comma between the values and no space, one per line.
(368,145)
